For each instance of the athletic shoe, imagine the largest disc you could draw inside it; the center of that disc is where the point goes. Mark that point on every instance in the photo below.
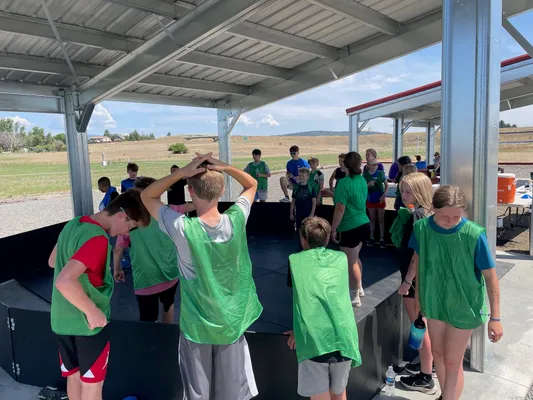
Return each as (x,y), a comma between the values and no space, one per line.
(285,200)
(419,383)
(370,242)
(361,291)
(382,244)
(52,393)
(356,300)
(414,368)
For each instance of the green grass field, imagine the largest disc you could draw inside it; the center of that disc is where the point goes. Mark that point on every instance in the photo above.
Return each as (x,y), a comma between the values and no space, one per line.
(22,179)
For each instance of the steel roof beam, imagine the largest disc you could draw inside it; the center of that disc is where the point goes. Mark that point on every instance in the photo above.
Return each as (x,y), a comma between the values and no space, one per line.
(58,67)
(131,97)
(35,27)
(245,29)
(358,12)
(22,97)
(180,38)
(516,35)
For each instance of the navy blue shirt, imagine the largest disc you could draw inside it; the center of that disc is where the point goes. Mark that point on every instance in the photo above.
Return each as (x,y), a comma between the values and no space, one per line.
(303,196)
(482,257)
(294,165)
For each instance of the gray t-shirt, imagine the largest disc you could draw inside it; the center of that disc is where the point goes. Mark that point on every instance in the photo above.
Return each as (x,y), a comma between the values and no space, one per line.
(172,223)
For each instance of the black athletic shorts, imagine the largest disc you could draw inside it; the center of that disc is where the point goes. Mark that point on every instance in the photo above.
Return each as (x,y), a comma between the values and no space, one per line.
(353,237)
(88,355)
(149,304)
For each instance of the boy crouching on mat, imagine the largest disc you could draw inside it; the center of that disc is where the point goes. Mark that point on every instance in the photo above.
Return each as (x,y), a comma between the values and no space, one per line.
(154,265)
(325,334)
(82,290)
(218,296)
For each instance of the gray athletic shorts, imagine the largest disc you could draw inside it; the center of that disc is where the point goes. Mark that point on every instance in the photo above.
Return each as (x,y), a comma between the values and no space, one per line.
(216,372)
(262,195)
(316,378)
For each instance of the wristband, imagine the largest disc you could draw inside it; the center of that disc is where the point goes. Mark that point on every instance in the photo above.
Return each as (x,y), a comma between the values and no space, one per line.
(495,319)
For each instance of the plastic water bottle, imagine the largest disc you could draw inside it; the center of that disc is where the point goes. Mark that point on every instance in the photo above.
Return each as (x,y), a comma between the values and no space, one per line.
(418,330)
(390,382)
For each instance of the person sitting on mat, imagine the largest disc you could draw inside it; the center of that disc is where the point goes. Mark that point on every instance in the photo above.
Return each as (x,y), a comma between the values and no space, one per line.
(303,203)
(110,192)
(454,269)
(417,192)
(218,295)
(375,203)
(82,289)
(154,265)
(325,334)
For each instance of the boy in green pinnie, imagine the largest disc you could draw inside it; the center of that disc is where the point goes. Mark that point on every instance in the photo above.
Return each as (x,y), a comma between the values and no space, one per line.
(218,296)
(325,333)
(154,265)
(260,171)
(316,178)
(82,290)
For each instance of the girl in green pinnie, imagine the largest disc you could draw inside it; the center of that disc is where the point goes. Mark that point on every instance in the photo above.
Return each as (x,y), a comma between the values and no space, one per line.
(454,269)
(325,333)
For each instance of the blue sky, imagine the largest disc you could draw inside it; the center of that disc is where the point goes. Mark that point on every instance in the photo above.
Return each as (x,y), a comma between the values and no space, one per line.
(319,109)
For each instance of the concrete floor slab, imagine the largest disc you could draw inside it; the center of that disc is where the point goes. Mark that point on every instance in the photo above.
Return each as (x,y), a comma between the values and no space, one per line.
(9,389)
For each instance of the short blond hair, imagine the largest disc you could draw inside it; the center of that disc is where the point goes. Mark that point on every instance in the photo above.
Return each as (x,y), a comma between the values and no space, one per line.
(208,185)
(313,160)
(304,170)
(409,169)
(316,231)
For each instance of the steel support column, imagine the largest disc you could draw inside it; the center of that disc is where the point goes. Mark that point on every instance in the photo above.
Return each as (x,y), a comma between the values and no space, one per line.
(226,121)
(353,140)
(470,114)
(397,139)
(78,159)
(430,142)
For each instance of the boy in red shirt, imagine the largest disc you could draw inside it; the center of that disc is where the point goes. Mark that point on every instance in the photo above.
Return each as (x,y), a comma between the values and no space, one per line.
(82,290)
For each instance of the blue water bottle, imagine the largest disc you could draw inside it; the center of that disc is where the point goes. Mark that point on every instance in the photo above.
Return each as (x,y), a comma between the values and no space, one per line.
(418,330)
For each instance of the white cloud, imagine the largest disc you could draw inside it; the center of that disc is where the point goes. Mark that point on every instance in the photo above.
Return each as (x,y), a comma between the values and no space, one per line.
(102,117)
(22,122)
(245,120)
(268,120)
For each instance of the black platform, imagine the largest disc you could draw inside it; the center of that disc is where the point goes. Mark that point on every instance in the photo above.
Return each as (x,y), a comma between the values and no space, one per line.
(143,358)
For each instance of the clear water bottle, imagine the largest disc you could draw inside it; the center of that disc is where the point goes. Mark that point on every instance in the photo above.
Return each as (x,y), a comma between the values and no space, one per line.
(390,382)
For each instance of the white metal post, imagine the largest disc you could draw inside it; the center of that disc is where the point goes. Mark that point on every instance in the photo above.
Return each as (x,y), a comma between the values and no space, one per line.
(397,139)
(78,160)
(353,140)
(470,113)
(430,142)
(226,121)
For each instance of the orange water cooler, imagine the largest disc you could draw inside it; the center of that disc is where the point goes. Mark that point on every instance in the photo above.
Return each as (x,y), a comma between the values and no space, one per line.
(506,188)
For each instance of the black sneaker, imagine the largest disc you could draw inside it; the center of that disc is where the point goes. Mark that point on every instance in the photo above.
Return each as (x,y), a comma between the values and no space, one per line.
(370,242)
(419,383)
(52,393)
(414,368)
(382,244)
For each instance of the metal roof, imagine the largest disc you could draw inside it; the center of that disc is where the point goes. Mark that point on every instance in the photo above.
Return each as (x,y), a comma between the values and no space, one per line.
(422,104)
(238,54)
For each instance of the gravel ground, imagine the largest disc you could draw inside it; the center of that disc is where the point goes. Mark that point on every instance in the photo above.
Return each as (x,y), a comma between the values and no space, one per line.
(36,212)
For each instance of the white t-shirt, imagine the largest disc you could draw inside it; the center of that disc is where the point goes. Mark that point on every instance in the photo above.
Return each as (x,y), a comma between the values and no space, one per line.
(172,223)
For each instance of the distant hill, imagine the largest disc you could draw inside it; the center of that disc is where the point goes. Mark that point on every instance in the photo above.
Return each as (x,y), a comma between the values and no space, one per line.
(329,133)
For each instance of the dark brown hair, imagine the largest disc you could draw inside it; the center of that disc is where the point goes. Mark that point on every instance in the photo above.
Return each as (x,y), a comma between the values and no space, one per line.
(143,182)
(208,185)
(132,167)
(294,149)
(130,203)
(449,196)
(352,162)
(316,231)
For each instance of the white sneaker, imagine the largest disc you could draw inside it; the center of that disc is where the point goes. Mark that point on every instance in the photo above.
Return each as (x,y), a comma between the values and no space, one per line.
(285,200)
(361,292)
(356,300)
